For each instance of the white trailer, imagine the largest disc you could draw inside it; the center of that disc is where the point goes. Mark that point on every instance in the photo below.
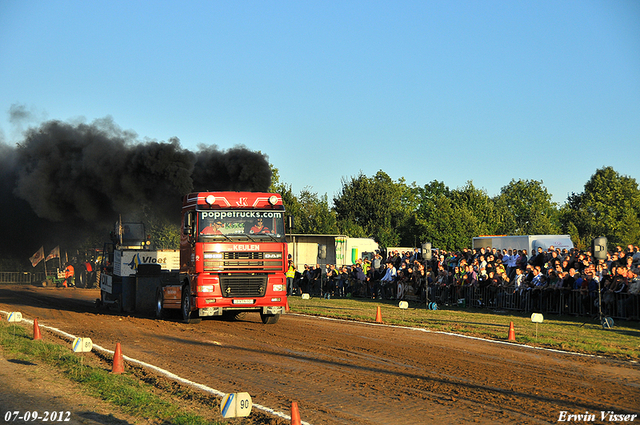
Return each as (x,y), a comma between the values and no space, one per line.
(528,242)
(338,249)
(354,249)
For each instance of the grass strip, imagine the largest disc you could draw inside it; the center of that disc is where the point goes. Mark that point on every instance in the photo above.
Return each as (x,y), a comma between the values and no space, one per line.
(569,333)
(130,394)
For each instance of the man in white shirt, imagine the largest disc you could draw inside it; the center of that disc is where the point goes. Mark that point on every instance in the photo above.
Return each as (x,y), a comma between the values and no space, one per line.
(388,280)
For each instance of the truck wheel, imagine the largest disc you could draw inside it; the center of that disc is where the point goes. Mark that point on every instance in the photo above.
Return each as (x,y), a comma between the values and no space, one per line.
(160,312)
(188,316)
(82,279)
(269,319)
(91,280)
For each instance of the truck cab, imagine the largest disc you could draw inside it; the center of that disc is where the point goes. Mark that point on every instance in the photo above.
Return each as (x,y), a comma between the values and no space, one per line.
(233,257)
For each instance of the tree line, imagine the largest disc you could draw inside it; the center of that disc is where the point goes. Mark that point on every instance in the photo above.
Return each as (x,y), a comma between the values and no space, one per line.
(395,213)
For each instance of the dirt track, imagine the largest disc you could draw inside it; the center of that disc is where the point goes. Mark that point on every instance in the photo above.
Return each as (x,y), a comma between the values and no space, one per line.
(350,373)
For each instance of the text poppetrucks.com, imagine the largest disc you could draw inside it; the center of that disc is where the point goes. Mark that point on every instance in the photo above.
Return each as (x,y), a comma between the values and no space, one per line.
(603,415)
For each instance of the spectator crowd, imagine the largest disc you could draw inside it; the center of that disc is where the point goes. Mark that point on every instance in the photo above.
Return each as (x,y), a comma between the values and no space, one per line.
(556,280)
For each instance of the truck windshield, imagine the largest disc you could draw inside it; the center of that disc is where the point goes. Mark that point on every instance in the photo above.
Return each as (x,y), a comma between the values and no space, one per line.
(233,224)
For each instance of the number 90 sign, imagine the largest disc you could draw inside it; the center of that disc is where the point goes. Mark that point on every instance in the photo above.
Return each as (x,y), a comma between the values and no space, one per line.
(236,405)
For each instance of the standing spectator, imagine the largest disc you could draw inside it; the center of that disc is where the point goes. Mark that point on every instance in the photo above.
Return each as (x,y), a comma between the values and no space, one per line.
(636,256)
(567,290)
(343,282)
(377,262)
(537,260)
(620,289)
(316,279)
(521,262)
(306,279)
(290,274)
(388,280)
(330,283)
(359,278)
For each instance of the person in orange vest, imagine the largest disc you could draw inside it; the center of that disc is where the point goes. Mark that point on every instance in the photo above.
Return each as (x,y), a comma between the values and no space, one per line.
(69,277)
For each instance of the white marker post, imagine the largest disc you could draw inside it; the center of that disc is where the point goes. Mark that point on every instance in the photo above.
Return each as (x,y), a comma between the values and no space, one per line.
(14,317)
(403,305)
(82,345)
(236,405)
(537,318)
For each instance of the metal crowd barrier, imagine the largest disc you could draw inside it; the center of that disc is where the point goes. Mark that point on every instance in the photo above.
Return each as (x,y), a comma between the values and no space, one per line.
(25,278)
(552,301)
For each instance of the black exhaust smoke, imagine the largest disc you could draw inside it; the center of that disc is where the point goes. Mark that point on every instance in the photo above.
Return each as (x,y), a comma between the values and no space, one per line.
(66,181)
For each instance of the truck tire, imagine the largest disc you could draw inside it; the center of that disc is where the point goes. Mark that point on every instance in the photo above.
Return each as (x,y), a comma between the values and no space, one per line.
(160,312)
(82,279)
(269,319)
(188,316)
(91,280)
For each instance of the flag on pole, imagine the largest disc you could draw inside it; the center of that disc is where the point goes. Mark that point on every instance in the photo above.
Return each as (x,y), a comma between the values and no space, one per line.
(37,257)
(55,253)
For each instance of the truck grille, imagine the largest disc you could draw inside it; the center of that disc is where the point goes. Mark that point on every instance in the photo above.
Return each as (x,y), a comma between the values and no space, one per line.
(243,261)
(243,286)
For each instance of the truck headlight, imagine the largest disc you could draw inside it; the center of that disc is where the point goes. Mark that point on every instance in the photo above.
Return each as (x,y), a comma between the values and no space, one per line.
(205,288)
(278,288)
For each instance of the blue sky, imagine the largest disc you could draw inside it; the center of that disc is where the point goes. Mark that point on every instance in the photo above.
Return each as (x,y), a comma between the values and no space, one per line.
(486,91)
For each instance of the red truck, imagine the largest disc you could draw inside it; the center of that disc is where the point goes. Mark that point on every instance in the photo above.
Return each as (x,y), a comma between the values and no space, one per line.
(233,258)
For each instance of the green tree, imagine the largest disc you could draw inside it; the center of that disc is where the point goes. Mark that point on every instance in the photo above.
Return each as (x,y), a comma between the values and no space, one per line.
(311,213)
(373,207)
(289,199)
(525,208)
(433,214)
(477,209)
(163,234)
(609,206)
(449,219)
(316,217)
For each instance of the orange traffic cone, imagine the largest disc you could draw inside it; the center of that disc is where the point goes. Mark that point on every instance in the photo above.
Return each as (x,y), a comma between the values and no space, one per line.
(512,332)
(295,414)
(36,330)
(118,365)
(286,307)
(378,315)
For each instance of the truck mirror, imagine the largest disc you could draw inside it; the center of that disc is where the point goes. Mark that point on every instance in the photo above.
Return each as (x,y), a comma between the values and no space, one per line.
(599,248)
(188,224)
